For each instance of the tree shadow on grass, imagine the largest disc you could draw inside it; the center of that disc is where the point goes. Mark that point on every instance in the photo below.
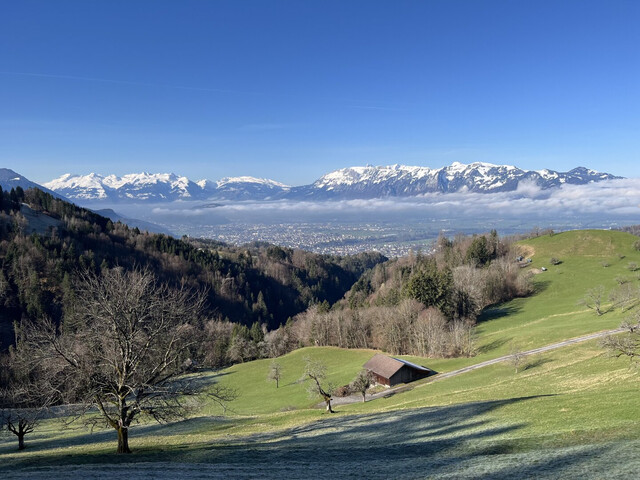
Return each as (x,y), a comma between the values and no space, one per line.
(498,311)
(540,286)
(535,362)
(488,347)
(501,310)
(429,440)
(204,379)
(456,441)
(77,434)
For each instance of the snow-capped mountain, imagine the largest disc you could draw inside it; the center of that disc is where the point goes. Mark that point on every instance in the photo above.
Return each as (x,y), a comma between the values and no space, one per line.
(10,179)
(162,187)
(136,187)
(346,183)
(402,181)
(249,188)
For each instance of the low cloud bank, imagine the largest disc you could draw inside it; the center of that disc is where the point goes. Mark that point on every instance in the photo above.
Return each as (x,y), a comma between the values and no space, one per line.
(611,199)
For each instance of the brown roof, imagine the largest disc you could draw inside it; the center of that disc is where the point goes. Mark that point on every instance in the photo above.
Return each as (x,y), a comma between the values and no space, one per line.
(387,366)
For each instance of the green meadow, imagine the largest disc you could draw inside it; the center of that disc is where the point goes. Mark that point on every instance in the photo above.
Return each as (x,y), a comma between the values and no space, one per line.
(569,412)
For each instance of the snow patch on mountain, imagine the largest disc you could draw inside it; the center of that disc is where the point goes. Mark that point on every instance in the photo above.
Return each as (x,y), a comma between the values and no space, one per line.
(250,180)
(10,179)
(346,183)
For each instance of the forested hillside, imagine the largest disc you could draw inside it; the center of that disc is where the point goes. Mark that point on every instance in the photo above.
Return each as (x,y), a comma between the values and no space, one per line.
(257,284)
(422,305)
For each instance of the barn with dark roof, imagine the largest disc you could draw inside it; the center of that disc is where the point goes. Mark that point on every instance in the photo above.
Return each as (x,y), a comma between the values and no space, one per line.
(391,371)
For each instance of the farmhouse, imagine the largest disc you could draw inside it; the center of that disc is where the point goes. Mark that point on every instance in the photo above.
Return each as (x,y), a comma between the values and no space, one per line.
(391,371)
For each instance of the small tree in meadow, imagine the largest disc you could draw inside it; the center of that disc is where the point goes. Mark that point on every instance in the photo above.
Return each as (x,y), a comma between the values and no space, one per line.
(316,371)
(516,357)
(626,344)
(593,299)
(275,373)
(361,383)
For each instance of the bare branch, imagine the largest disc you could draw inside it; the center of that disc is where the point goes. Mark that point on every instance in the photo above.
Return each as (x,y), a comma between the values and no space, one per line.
(127,356)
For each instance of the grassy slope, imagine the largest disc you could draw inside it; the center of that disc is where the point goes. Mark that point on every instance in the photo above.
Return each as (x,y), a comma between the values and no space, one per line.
(572,396)
(258,396)
(553,314)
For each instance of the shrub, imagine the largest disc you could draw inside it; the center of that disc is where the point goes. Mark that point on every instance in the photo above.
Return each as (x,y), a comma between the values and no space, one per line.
(342,391)
(620,280)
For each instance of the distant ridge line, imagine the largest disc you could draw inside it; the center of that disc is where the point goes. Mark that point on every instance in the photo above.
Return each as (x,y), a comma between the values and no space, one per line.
(343,184)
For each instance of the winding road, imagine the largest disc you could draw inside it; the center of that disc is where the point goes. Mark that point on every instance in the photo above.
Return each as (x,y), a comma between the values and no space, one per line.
(441,376)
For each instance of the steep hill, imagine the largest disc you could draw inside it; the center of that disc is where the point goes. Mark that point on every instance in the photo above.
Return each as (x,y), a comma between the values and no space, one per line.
(10,179)
(261,283)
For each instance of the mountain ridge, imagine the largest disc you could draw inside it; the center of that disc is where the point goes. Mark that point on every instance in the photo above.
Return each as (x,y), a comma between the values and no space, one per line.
(346,183)
(10,179)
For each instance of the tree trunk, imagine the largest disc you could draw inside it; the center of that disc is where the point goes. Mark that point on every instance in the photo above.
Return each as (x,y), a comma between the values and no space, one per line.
(21,441)
(123,440)
(327,400)
(363,397)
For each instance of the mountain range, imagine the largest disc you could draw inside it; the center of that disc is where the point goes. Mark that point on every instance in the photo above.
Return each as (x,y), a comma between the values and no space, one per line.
(346,183)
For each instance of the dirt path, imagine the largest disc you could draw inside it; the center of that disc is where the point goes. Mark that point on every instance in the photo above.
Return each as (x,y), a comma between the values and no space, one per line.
(453,373)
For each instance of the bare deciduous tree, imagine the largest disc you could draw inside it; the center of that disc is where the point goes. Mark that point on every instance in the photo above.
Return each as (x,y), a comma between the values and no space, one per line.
(316,371)
(625,295)
(127,354)
(19,414)
(275,372)
(516,356)
(632,322)
(25,396)
(626,344)
(593,299)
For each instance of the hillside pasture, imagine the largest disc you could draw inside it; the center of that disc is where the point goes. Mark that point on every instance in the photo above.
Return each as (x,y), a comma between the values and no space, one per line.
(567,413)
(559,418)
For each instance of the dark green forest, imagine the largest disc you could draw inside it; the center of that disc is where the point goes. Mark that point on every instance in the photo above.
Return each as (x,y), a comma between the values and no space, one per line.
(255,285)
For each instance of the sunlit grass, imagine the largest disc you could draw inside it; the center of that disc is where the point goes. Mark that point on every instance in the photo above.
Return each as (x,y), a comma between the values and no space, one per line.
(571,398)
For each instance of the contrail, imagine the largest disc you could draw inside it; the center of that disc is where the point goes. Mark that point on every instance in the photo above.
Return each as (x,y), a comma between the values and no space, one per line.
(126,82)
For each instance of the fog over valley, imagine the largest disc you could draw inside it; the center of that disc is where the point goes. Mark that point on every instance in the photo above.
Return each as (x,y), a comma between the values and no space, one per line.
(393,225)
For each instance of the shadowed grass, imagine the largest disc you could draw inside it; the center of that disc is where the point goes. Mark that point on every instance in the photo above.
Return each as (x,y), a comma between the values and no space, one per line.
(568,413)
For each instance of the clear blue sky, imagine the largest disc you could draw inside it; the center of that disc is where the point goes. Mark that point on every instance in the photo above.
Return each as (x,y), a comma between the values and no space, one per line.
(290,90)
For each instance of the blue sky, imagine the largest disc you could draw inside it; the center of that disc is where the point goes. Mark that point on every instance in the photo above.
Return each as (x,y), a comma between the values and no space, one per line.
(290,90)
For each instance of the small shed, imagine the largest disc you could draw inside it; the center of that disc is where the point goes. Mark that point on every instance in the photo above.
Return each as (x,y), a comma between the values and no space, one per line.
(390,371)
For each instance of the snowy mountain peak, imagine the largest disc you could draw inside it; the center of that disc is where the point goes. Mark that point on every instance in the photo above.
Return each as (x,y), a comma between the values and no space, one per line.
(85,187)
(402,180)
(368,181)
(160,187)
(247,179)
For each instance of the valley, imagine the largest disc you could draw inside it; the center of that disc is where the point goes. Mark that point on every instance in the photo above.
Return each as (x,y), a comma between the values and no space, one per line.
(319,240)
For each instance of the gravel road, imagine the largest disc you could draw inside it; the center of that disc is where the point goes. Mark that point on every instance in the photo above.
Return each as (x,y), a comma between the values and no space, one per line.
(453,373)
